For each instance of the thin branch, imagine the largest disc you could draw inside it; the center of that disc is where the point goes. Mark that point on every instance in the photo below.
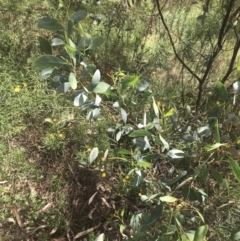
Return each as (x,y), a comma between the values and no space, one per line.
(173,46)
(230,67)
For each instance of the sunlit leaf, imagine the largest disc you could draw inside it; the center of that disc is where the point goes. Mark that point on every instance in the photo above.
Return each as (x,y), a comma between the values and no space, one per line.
(235,235)
(57,42)
(175,155)
(155,108)
(129,81)
(96,78)
(200,233)
(101,87)
(124,115)
(46,73)
(213,147)
(140,133)
(138,180)
(165,143)
(94,114)
(168,199)
(72,80)
(143,164)
(204,131)
(144,144)
(80,99)
(170,112)
(143,86)
(100,237)
(93,155)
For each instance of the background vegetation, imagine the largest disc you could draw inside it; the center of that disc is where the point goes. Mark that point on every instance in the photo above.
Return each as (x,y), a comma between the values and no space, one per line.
(119,120)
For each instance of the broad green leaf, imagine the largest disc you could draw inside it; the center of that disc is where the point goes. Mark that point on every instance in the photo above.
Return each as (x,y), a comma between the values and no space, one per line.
(96,42)
(101,87)
(96,78)
(213,147)
(93,155)
(63,88)
(155,108)
(213,122)
(47,61)
(124,115)
(71,50)
(155,215)
(122,228)
(84,42)
(134,221)
(122,152)
(72,80)
(129,81)
(222,90)
(188,235)
(235,167)
(50,24)
(70,26)
(235,235)
(152,157)
(170,112)
(143,164)
(238,67)
(45,46)
(200,233)
(217,176)
(168,199)
(100,237)
(79,15)
(140,133)
(190,194)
